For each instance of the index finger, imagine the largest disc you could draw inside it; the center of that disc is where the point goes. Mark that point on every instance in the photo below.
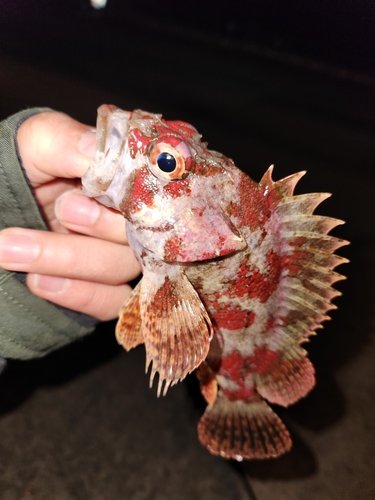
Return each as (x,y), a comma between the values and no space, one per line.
(53,145)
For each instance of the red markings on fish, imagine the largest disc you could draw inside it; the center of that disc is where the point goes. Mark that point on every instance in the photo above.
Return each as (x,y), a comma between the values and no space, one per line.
(262,285)
(143,190)
(138,143)
(237,367)
(243,393)
(270,324)
(241,284)
(253,209)
(263,359)
(172,249)
(233,317)
(177,188)
(207,170)
(252,283)
(219,252)
(181,128)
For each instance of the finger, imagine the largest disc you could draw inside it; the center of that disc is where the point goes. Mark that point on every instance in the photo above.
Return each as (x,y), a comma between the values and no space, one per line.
(79,213)
(96,299)
(67,255)
(52,144)
(46,195)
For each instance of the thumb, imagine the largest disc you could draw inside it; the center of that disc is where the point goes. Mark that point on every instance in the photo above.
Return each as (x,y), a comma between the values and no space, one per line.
(53,145)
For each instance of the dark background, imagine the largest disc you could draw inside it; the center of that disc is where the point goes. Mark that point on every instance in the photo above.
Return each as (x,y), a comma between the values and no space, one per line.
(290,83)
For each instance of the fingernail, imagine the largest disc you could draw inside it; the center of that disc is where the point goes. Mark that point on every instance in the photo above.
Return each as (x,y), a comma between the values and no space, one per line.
(18,249)
(47,283)
(77,209)
(87,143)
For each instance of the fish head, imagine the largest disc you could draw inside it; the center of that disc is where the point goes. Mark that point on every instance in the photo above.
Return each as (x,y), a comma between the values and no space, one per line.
(170,188)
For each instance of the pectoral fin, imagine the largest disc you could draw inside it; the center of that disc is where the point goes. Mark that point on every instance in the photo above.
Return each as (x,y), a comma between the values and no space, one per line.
(128,328)
(176,329)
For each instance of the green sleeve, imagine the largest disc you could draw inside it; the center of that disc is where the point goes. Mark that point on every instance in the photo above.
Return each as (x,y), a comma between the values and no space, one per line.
(29,326)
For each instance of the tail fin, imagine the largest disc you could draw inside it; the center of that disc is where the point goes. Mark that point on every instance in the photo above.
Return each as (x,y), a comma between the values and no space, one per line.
(239,430)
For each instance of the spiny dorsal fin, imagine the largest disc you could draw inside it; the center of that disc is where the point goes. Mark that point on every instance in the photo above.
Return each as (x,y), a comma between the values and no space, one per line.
(128,328)
(243,430)
(303,203)
(176,328)
(285,186)
(306,253)
(304,291)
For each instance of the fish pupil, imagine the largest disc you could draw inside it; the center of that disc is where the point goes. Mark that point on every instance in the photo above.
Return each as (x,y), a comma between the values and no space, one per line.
(166,162)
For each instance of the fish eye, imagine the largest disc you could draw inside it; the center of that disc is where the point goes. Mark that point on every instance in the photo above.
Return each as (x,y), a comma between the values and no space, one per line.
(166,162)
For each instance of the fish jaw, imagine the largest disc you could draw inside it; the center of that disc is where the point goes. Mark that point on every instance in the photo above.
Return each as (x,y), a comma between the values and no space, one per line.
(112,128)
(119,176)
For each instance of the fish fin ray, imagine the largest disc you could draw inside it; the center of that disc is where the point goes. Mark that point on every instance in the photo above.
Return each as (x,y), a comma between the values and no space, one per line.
(285,186)
(207,382)
(177,330)
(306,256)
(129,325)
(289,379)
(243,430)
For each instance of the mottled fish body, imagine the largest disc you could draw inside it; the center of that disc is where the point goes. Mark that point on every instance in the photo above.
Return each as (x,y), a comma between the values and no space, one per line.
(236,275)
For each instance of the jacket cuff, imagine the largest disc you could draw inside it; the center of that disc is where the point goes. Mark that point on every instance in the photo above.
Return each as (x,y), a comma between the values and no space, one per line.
(30,326)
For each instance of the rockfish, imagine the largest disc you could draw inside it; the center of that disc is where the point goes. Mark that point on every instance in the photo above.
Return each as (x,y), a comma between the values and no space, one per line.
(236,275)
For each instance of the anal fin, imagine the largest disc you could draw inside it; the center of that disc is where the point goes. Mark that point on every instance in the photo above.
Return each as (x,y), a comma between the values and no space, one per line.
(243,430)
(128,329)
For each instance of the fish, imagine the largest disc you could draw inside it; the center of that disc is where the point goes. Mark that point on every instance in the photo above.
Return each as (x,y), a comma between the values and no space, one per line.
(236,275)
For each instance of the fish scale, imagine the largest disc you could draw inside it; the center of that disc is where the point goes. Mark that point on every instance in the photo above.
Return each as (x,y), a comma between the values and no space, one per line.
(237,275)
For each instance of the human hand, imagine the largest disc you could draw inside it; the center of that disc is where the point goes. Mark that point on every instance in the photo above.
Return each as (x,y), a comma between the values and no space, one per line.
(84,262)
